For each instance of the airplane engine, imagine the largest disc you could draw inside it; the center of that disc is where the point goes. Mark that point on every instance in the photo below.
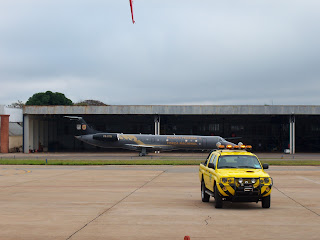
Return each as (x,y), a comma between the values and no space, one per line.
(106,137)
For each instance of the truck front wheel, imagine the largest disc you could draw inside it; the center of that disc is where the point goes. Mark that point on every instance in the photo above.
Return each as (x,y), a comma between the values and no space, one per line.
(266,202)
(217,197)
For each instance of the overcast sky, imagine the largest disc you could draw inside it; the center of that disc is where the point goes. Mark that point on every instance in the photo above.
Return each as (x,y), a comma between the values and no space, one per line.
(177,52)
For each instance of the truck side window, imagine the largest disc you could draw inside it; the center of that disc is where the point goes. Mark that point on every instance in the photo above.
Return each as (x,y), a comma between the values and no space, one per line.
(212,158)
(215,161)
(206,162)
(210,164)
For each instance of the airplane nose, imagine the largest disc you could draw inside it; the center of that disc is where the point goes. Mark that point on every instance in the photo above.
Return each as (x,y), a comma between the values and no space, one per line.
(229,143)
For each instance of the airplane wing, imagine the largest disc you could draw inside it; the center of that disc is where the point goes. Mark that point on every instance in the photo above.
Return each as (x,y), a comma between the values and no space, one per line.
(140,146)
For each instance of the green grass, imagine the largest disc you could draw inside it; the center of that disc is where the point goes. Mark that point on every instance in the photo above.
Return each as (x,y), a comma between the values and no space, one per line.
(292,162)
(144,162)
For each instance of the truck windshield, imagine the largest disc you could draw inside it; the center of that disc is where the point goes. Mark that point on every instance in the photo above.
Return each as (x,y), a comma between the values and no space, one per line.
(238,162)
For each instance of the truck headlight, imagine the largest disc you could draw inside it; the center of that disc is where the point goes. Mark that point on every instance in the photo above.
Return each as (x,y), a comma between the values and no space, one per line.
(253,180)
(240,180)
(266,180)
(227,180)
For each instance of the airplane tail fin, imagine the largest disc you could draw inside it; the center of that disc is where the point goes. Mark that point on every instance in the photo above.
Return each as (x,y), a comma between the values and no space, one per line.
(82,127)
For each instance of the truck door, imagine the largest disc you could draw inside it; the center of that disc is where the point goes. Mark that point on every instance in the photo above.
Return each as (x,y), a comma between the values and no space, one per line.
(212,172)
(208,174)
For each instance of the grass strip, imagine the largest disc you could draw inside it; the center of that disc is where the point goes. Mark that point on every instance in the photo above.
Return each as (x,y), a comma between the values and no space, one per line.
(292,162)
(143,162)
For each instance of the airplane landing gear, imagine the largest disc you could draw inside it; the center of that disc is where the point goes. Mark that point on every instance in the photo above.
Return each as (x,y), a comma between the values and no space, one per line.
(143,152)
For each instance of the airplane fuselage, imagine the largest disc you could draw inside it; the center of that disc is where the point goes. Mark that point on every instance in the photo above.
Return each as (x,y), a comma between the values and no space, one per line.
(152,142)
(144,142)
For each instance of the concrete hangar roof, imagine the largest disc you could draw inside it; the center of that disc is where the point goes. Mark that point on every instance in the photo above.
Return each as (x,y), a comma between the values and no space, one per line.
(175,110)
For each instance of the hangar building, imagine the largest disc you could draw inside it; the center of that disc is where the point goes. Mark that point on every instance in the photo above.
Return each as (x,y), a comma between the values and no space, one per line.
(266,127)
(10,129)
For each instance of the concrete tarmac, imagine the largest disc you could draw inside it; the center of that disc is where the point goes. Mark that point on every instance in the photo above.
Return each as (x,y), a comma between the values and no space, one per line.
(149,202)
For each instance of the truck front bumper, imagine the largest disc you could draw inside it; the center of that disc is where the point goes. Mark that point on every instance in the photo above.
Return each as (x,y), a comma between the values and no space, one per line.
(245,192)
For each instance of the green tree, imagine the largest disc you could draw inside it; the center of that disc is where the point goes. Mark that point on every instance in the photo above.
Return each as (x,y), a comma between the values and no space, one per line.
(49,98)
(91,102)
(18,104)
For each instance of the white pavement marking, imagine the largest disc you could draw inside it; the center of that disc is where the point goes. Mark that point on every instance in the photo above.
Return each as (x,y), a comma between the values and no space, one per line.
(307,179)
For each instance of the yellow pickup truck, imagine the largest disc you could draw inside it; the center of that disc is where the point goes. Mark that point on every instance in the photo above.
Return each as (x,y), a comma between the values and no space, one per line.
(234,175)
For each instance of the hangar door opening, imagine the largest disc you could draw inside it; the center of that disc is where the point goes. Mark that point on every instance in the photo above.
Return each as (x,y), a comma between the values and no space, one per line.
(266,133)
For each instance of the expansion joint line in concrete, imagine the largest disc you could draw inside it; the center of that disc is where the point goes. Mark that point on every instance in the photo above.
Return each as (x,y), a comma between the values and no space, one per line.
(108,209)
(297,202)
(17,184)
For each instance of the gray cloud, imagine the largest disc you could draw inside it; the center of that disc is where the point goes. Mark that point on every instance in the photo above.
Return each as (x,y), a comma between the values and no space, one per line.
(178,52)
